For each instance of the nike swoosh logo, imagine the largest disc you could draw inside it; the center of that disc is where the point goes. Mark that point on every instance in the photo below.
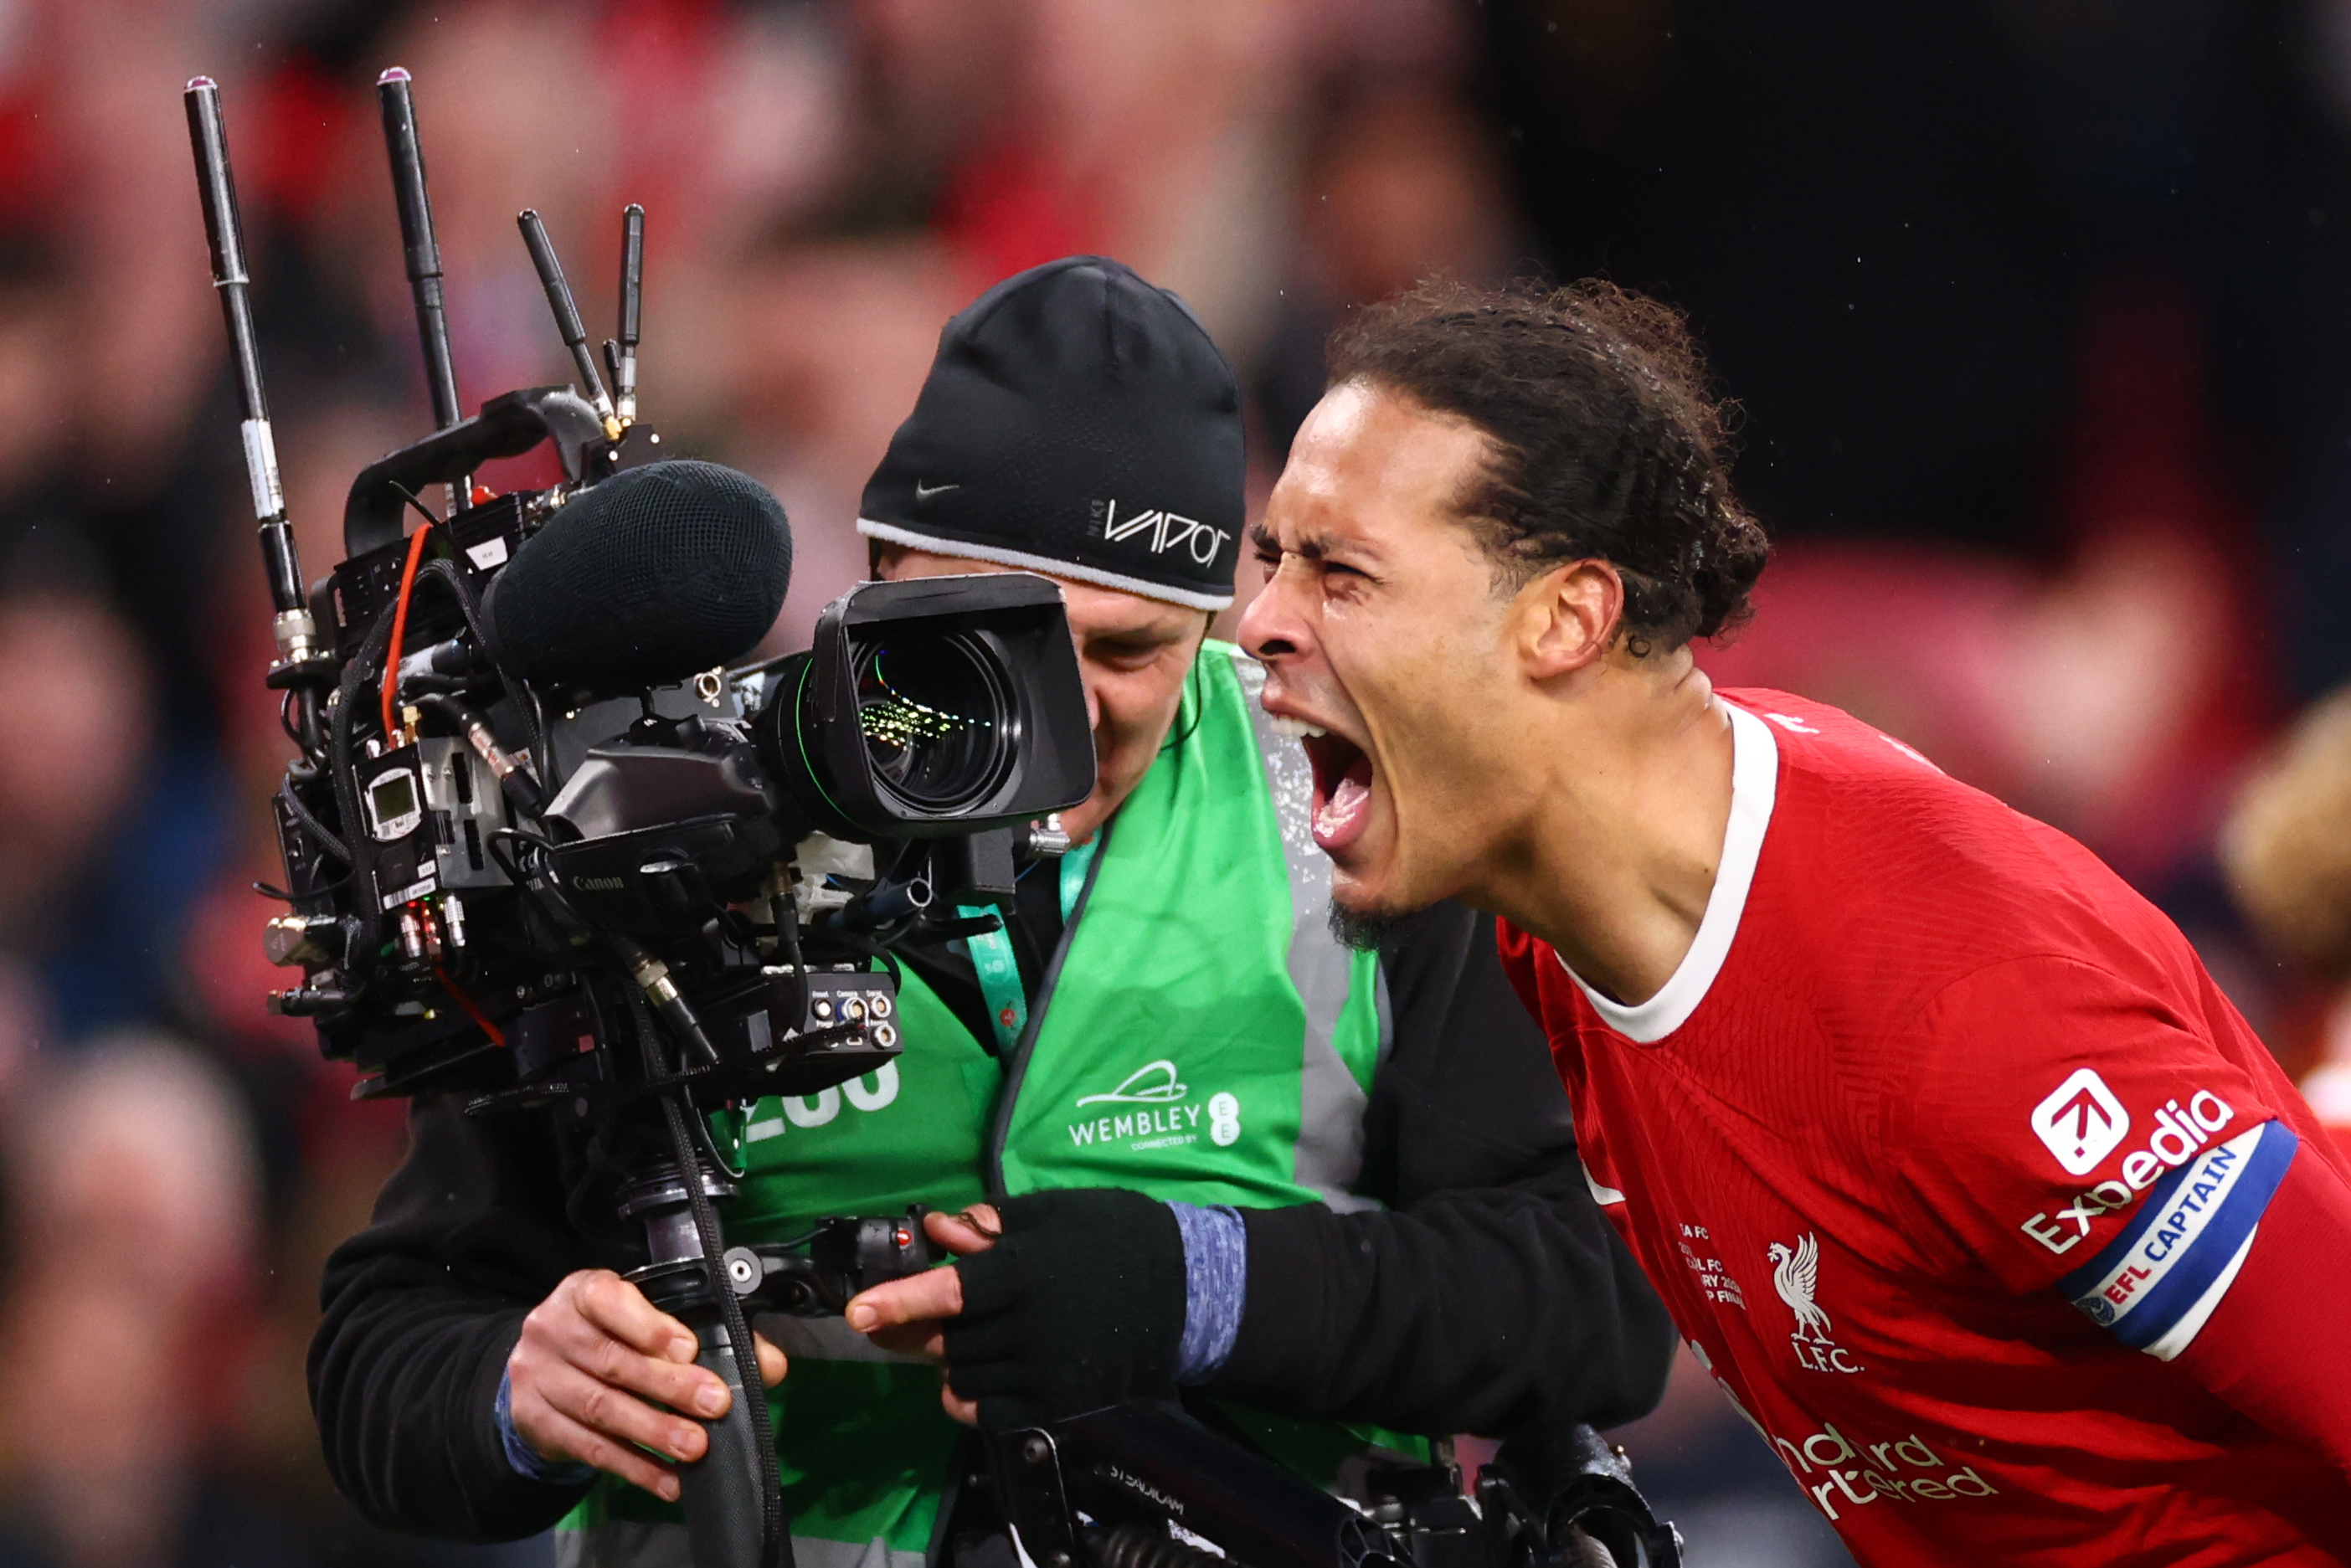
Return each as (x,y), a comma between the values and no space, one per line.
(925,492)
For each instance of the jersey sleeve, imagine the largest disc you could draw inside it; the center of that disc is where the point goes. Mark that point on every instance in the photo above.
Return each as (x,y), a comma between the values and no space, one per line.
(2265,1351)
(2068,1130)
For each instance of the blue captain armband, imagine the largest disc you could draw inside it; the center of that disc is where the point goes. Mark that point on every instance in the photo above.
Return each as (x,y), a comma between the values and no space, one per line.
(2155,1285)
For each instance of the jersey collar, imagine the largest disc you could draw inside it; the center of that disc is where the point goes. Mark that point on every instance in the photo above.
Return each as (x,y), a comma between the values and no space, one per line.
(1754,783)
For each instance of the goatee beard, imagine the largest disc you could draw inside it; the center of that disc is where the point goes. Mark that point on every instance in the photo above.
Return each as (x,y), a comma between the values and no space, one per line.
(1368,930)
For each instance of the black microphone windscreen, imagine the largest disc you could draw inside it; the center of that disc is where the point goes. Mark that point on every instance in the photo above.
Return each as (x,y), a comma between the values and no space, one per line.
(653,576)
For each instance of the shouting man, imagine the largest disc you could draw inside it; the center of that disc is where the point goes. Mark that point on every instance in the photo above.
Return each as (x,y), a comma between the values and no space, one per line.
(1955,1167)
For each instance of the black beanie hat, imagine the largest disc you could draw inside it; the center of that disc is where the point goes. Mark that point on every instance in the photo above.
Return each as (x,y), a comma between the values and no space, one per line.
(1078,422)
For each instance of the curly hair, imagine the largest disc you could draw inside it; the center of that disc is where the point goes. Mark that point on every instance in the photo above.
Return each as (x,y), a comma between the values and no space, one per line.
(1603,440)
(2286,847)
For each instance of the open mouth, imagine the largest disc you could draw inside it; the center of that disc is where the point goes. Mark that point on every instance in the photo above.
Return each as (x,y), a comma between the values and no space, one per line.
(1343,789)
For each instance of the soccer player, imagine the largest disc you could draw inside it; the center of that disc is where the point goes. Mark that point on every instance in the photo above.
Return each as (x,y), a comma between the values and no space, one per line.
(1955,1167)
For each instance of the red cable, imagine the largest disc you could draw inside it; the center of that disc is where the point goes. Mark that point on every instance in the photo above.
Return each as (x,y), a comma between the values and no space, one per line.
(497,1036)
(399,628)
(391,693)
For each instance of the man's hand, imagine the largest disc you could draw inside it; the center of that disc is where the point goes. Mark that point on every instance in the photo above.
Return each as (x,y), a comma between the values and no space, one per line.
(1078,1302)
(910,1315)
(595,1366)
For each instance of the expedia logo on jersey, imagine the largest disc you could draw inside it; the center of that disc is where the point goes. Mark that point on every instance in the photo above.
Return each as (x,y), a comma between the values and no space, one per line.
(1159,532)
(2181,1132)
(1152,1109)
(2081,1122)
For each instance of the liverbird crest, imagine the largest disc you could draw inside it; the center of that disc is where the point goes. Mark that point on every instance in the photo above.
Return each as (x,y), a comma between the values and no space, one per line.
(1796,1275)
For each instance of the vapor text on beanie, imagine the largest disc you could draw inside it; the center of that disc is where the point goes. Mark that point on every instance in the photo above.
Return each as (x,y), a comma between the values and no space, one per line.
(1077,421)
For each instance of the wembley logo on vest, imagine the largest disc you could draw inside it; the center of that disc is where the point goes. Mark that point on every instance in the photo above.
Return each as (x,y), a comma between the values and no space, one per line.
(1152,1110)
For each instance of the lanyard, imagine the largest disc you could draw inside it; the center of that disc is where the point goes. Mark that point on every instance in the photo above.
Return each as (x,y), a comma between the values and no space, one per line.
(991,951)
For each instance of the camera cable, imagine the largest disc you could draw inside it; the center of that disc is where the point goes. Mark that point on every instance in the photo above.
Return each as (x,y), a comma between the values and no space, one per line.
(482,1021)
(310,824)
(469,605)
(416,543)
(367,922)
(774,1532)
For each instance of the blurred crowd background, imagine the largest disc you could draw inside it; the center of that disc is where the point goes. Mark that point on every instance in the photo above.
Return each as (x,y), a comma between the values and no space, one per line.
(2038,313)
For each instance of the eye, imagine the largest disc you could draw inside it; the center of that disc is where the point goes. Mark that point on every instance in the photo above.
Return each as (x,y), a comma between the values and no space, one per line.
(1124,655)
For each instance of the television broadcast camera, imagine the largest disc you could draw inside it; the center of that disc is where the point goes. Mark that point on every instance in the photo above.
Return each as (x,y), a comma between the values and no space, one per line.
(547,848)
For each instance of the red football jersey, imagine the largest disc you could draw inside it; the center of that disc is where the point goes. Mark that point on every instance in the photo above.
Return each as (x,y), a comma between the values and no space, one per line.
(1939,1145)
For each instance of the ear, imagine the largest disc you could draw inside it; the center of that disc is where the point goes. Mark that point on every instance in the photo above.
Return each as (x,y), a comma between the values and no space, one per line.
(1568,617)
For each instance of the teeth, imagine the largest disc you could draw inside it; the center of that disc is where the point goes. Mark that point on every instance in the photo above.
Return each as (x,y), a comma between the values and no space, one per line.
(1296,728)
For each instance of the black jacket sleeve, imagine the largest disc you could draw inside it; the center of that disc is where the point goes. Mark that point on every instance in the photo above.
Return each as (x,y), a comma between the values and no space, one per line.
(423,1309)
(1490,1296)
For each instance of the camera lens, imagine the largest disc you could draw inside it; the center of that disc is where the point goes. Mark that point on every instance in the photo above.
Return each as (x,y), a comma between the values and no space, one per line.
(938,717)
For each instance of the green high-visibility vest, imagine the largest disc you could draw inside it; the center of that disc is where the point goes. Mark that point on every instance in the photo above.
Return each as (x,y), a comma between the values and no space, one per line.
(1200,1036)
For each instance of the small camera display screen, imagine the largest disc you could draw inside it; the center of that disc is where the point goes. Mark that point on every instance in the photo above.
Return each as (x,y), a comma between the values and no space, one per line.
(392,809)
(395,796)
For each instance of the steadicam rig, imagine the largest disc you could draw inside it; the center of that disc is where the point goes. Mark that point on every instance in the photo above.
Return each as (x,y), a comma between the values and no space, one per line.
(548,849)
(551,848)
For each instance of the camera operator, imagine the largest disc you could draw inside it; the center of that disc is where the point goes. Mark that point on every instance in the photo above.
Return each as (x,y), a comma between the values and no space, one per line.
(1334,1194)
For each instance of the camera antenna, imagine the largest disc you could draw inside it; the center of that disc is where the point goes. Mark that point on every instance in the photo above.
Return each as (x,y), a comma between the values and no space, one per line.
(394,93)
(566,318)
(621,359)
(225,232)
